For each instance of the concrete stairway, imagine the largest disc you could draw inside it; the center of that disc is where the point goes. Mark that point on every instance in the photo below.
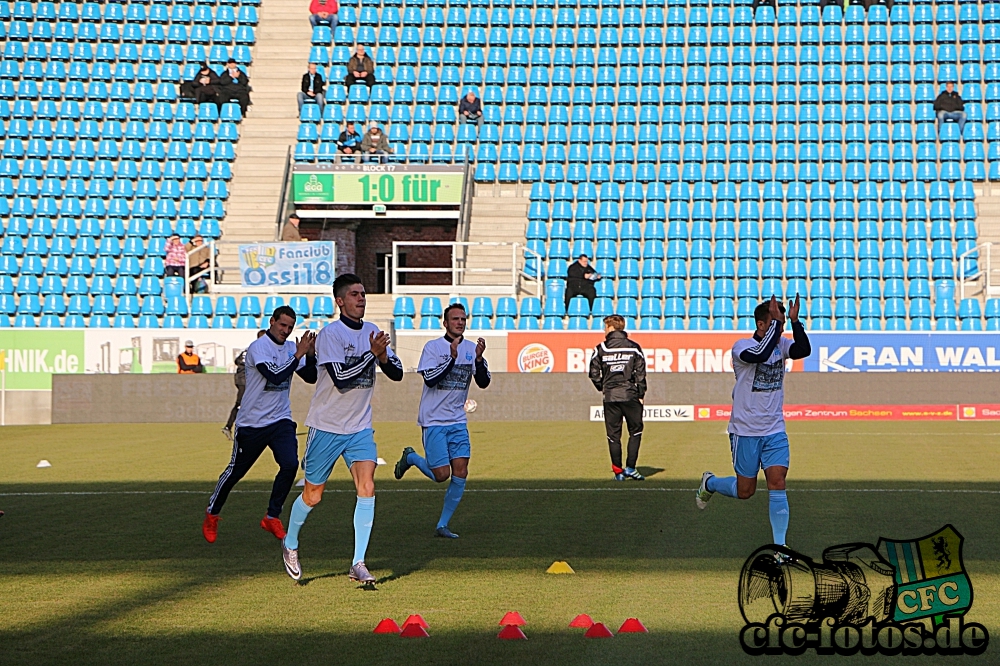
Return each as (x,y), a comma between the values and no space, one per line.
(495,219)
(988,225)
(280,57)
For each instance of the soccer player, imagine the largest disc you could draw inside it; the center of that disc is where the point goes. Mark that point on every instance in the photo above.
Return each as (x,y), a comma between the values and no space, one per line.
(618,370)
(757,424)
(448,366)
(265,418)
(340,420)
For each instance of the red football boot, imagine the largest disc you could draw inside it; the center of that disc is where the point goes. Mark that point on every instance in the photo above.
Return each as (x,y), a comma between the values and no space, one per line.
(210,528)
(273,525)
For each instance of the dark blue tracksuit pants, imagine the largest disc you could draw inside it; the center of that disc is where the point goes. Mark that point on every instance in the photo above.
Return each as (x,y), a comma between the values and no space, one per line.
(248,444)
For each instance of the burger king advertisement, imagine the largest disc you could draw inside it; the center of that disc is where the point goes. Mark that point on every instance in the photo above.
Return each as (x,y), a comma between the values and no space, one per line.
(555,351)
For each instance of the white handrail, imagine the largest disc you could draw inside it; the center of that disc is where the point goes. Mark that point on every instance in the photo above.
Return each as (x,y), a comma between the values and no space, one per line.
(511,279)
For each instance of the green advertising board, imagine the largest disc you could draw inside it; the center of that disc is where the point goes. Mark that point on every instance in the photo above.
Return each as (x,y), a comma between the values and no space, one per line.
(33,356)
(359,188)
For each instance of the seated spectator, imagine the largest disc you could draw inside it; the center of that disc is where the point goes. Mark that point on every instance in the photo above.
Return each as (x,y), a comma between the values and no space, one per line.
(375,145)
(771,3)
(199,259)
(204,87)
(323,12)
(176,257)
(949,106)
(470,109)
(234,84)
(580,278)
(189,363)
(312,88)
(360,69)
(349,143)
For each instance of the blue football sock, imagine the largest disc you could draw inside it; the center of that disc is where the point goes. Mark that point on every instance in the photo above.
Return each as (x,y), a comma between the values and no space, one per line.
(724,486)
(452,497)
(421,464)
(300,510)
(778,511)
(364,516)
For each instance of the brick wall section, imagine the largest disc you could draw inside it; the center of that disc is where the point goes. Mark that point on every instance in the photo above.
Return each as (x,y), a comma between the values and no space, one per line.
(373,239)
(346,252)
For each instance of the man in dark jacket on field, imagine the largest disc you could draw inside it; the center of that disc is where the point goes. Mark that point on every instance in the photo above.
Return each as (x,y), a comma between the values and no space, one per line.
(618,370)
(949,106)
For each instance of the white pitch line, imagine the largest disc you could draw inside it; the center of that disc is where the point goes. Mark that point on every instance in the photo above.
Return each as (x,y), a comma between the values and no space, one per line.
(509,490)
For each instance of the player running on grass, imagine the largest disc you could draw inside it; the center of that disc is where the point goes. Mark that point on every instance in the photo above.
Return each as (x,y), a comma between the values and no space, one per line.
(265,418)
(340,420)
(448,366)
(757,424)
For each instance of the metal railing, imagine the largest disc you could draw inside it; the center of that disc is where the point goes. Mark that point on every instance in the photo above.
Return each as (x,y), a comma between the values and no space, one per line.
(206,273)
(982,279)
(509,280)
(283,201)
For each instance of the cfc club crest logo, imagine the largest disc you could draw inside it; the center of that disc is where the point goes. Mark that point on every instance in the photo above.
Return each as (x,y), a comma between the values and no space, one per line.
(898,597)
(535,358)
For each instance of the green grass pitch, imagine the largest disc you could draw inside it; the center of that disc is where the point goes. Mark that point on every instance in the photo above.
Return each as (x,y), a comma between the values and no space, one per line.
(102,559)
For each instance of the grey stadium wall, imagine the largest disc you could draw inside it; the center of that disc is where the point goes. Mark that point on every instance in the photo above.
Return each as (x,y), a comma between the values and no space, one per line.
(511,397)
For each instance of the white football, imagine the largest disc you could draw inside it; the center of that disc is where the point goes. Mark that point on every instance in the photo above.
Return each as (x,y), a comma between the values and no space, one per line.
(470,405)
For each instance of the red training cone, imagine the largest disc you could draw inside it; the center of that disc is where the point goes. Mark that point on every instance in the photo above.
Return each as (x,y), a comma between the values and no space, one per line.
(632,626)
(511,633)
(512,619)
(415,619)
(387,626)
(598,630)
(582,621)
(414,631)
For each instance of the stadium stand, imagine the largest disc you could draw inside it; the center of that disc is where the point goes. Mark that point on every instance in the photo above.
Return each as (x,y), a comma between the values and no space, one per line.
(102,161)
(705,154)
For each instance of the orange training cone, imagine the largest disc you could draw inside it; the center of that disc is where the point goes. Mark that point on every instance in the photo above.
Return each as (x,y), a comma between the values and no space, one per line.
(414,631)
(633,626)
(511,633)
(582,621)
(387,626)
(415,619)
(598,630)
(512,619)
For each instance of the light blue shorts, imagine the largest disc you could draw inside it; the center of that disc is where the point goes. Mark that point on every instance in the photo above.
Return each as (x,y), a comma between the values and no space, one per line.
(323,448)
(752,454)
(442,444)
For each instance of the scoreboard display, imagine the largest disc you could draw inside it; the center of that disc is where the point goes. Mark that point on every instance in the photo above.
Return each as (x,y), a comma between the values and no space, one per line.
(361,185)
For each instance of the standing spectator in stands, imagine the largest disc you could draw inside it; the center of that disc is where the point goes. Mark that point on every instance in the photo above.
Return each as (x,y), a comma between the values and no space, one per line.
(312,88)
(375,145)
(349,142)
(949,106)
(189,363)
(204,87)
(360,68)
(290,232)
(176,257)
(470,109)
(199,259)
(234,84)
(580,278)
(323,12)
(240,379)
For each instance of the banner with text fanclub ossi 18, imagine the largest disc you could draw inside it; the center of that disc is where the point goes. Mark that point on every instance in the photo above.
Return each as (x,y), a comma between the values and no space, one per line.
(287,264)
(555,351)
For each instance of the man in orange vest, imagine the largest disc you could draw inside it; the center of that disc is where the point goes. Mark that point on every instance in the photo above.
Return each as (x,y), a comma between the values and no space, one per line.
(188,362)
